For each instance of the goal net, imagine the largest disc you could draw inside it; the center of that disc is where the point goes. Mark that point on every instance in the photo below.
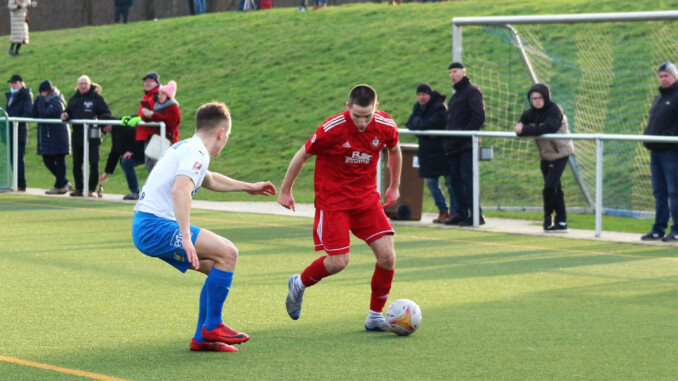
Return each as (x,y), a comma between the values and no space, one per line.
(603,75)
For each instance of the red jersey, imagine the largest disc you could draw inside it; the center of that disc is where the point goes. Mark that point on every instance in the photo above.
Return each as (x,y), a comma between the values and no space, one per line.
(346,163)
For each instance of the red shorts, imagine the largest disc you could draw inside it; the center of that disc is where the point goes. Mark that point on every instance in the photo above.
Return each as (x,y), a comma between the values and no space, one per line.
(331,227)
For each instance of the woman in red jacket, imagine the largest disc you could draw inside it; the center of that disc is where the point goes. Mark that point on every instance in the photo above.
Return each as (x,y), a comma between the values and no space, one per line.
(166,109)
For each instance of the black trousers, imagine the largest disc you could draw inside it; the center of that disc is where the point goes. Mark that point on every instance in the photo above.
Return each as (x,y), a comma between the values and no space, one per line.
(57,165)
(78,151)
(460,165)
(554,198)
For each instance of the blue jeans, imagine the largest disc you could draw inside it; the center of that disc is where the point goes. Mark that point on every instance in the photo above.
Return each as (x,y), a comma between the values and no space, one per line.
(131,175)
(199,7)
(664,168)
(439,197)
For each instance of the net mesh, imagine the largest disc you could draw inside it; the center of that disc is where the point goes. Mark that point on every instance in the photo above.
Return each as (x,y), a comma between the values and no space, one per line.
(603,75)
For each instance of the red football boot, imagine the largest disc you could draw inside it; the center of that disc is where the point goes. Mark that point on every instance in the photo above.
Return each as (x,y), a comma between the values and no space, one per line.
(211,347)
(224,334)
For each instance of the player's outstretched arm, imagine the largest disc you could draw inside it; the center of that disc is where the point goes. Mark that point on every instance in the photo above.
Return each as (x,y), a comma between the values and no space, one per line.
(181,201)
(395,163)
(286,199)
(220,183)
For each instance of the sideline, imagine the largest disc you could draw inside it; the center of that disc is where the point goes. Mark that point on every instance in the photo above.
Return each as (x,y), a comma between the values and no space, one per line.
(75,372)
(493,225)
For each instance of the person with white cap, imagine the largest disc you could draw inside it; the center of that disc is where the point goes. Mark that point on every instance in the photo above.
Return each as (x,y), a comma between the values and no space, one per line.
(664,156)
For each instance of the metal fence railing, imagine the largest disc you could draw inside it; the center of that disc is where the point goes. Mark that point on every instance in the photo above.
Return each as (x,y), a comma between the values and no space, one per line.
(85,124)
(598,138)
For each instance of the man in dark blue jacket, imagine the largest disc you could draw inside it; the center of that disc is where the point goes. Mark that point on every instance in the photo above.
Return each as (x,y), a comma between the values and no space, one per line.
(664,156)
(430,113)
(20,104)
(465,111)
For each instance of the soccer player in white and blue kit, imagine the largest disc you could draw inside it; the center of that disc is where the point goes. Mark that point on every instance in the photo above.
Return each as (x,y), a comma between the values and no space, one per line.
(162,220)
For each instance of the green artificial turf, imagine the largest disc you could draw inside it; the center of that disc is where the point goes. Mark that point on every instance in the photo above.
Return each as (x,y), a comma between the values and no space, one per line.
(78,295)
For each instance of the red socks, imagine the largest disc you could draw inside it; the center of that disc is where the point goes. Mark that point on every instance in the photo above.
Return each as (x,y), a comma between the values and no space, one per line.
(381,286)
(314,272)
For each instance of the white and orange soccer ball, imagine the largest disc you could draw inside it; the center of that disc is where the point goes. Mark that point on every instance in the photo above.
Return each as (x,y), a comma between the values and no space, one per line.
(403,316)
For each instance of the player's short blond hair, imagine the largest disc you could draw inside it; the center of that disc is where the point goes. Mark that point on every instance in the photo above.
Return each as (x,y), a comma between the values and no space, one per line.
(211,116)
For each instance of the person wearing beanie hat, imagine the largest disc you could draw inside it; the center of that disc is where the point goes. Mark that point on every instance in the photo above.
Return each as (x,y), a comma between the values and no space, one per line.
(166,109)
(546,117)
(86,103)
(664,156)
(429,113)
(19,104)
(53,140)
(668,67)
(45,85)
(465,111)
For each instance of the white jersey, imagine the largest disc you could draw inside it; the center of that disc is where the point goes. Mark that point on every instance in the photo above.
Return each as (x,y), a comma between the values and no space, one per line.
(189,158)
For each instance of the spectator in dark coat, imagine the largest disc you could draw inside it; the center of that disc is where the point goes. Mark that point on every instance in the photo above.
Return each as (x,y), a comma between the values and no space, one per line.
(53,139)
(20,104)
(664,156)
(430,113)
(86,103)
(465,111)
(126,149)
(121,8)
(546,117)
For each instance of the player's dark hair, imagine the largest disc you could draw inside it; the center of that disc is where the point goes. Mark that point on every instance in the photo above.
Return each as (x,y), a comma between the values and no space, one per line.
(362,95)
(211,115)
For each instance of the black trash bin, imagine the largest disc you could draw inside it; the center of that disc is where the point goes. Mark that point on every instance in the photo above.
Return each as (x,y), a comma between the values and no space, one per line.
(409,205)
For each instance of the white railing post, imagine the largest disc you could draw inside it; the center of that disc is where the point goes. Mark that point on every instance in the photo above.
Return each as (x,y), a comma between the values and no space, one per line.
(85,161)
(599,187)
(476,181)
(162,134)
(15,156)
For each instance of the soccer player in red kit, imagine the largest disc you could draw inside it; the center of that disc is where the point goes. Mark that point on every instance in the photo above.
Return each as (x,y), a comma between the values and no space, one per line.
(347,148)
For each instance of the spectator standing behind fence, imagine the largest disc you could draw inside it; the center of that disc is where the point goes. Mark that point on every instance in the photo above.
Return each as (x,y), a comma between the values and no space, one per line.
(166,110)
(465,111)
(130,154)
(53,139)
(430,113)
(121,8)
(546,117)
(86,103)
(19,104)
(144,133)
(18,18)
(664,156)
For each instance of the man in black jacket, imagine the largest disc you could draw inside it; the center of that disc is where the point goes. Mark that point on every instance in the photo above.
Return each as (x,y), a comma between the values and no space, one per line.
(86,103)
(664,156)
(130,153)
(20,104)
(465,111)
(430,113)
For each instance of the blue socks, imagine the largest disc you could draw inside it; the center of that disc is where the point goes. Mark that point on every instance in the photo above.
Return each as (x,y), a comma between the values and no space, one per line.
(201,314)
(216,288)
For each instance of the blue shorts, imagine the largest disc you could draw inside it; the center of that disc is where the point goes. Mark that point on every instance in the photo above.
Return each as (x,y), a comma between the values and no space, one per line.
(160,238)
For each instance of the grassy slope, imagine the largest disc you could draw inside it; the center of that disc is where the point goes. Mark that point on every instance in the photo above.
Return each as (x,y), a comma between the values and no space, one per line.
(281,72)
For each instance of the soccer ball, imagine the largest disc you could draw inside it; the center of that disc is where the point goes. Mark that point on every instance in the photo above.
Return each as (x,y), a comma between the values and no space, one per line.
(403,316)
